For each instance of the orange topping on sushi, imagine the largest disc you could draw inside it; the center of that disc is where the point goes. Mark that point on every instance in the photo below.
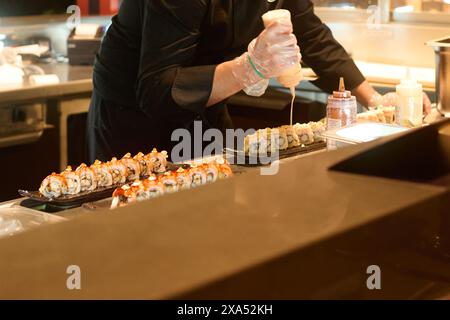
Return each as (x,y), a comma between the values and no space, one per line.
(168,174)
(82,166)
(139,155)
(181,171)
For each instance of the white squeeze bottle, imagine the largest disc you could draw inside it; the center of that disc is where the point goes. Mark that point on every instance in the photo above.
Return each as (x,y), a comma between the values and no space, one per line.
(409,111)
(292,77)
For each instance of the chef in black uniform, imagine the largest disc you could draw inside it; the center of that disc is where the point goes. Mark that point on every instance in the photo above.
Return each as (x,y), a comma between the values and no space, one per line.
(164,64)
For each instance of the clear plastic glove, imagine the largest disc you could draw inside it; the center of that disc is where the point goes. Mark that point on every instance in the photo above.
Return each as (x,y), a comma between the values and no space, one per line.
(391,98)
(273,52)
(251,82)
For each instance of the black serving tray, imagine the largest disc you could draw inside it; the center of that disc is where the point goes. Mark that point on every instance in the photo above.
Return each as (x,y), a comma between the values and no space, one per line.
(71,200)
(83,197)
(250,161)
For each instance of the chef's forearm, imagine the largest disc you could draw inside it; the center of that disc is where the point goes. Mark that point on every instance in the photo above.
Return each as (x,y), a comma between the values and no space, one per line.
(225,84)
(364,93)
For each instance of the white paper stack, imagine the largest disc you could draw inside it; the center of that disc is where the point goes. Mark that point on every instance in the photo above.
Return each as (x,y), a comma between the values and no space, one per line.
(44,80)
(86,31)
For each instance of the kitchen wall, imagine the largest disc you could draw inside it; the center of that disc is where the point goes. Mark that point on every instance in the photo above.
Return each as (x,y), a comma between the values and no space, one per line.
(53,27)
(394,43)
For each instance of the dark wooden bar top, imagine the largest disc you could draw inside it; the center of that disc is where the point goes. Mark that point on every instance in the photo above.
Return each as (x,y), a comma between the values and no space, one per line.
(306,232)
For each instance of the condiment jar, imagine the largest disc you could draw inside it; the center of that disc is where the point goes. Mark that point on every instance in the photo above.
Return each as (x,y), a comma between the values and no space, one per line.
(341,109)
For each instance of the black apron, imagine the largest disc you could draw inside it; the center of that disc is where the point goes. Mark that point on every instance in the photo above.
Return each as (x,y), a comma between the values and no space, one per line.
(155,69)
(114,130)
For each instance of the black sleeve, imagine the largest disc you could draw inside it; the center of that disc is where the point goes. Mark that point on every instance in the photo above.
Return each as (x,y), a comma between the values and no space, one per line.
(168,86)
(320,50)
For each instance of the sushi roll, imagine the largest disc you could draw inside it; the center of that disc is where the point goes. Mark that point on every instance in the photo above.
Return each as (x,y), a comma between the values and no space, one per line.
(153,187)
(183,179)
(102,174)
(73,181)
(266,143)
(118,171)
(305,133)
(318,128)
(224,171)
(197,176)
(54,186)
(362,117)
(372,116)
(169,180)
(133,167)
(139,192)
(263,141)
(146,166)
(87,178)
(158,161)
(380,115)
(220,161)
(212,172)
(280,136)
(273,140)
(292,137)
(389,114)
(123,196)
(251,144)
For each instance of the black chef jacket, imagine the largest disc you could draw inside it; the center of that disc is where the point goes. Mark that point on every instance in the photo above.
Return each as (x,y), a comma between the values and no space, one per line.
(156,65)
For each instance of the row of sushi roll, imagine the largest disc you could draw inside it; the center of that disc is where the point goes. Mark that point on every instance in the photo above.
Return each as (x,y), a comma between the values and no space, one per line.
(266,141)
(103,174)
(380,114)
(170,182)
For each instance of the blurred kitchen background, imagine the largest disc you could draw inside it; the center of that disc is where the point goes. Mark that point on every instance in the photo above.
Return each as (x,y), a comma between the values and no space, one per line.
(43,119)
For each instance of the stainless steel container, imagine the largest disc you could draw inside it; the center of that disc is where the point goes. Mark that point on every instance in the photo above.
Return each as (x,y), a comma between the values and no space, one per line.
(442,49)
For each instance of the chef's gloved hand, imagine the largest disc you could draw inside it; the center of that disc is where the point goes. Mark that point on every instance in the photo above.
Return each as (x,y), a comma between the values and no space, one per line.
(275,50)
(268,56)
(391,98)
